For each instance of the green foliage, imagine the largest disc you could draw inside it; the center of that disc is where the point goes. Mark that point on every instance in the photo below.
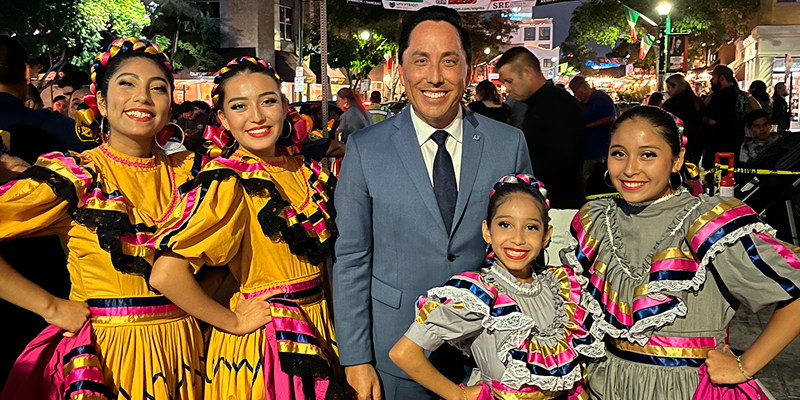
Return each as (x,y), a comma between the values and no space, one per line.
(197,33)
(712,22)
(78,28)
(351,52)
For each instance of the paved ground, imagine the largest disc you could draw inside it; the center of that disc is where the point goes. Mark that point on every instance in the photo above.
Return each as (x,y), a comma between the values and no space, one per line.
(782,375)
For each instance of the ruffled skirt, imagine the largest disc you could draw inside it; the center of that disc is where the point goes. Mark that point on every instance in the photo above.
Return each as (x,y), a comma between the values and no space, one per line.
(253,366)
(149,358)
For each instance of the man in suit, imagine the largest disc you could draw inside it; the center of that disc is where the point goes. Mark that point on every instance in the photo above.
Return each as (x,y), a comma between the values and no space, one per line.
(411,197)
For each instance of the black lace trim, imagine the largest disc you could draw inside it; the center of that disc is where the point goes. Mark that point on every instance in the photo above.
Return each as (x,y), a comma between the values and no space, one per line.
(271,221)
(108,225)
(311,368)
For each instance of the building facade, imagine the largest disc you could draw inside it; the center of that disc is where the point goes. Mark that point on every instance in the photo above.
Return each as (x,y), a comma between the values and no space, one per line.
(771,53)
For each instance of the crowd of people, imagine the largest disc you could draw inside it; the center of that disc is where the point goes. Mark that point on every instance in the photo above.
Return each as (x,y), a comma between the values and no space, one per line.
(454,256)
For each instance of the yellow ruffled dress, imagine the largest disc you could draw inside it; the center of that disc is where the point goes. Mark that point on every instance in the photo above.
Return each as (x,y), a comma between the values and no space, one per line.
(271,222)
(104,205)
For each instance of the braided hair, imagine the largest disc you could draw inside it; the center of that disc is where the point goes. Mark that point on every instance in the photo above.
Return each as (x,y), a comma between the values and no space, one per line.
(220,142)
(518,183)
(105,65)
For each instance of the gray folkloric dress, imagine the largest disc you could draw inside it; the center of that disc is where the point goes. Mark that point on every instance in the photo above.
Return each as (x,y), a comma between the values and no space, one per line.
(527,339)
(665,280)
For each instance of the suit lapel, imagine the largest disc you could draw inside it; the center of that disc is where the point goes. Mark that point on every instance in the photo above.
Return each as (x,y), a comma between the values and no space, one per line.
(405,141)
(471,151)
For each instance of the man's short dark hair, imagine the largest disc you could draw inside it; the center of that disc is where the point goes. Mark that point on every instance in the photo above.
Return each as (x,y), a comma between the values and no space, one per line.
(187,106)
(521,56)
(725,72)
(752,116)
(577,81)
(13,61)
(59,98)
(434,13)
(202,105)
(375,97)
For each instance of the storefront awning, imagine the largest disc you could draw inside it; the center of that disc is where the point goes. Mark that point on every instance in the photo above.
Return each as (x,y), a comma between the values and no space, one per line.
(285,64)
(337,77)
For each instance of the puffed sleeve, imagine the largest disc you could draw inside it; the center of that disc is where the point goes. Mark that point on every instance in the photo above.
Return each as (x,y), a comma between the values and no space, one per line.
(585,237)
(209,224)
(452,313)
(39,201)
(756,268)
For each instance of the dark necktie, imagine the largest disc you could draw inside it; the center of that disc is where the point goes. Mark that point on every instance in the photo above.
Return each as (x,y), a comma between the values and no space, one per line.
(444,180)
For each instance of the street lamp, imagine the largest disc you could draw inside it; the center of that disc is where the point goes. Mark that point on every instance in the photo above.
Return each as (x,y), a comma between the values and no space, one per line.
(487,51)
(663,10)
(365,35)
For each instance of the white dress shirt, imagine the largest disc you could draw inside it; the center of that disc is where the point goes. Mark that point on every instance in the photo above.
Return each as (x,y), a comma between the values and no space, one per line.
(453,143)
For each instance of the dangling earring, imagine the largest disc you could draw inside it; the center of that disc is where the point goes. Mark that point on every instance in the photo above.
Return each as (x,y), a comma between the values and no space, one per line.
(167,133)
(607,180)
(679,184)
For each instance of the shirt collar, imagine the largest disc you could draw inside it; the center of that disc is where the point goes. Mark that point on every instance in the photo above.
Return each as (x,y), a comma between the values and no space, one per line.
(424,131)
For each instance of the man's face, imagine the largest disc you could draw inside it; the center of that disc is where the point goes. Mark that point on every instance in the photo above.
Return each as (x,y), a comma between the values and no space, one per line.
(761,129)
(715,83)
(59,106)
(582,93)
(517,81)
(434,71)
(75,101)
(782,91)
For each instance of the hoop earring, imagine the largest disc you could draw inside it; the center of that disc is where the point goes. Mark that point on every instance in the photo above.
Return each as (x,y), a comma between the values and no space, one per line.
(288,133)
(681,181)
(607,180)
(102,137)
(179,144)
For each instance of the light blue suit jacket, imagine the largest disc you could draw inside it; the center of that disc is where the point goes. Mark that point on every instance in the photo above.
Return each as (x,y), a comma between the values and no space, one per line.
(392,244)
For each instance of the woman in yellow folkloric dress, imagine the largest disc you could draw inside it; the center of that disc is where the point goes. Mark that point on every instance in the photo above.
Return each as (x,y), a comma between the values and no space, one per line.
(269,218)
(104,204)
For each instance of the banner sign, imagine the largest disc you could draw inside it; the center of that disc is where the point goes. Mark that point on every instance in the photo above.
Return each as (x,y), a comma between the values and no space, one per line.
(677,52)
(460,5)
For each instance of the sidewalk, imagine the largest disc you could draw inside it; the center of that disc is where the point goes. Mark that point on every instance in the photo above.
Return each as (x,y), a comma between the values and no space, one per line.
(782,375)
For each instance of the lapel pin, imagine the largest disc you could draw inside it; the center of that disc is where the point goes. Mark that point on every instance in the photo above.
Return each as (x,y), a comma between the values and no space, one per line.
(476,137)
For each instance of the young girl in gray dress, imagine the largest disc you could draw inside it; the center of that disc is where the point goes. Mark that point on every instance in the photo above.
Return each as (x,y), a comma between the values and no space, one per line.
(520,320)
(666,272)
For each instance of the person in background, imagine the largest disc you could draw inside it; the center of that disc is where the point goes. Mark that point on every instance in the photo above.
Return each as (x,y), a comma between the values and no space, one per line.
(355,116)
(725,115)
(374,107)
(781,115)
(600,114)
(61,104)
(32,132)
(758,89)
(656,99)
(202,107)
(555,133)
(760,126)
(193,122)
(488,102)
(699,90)
(33,99)
(75,99)
(689,108)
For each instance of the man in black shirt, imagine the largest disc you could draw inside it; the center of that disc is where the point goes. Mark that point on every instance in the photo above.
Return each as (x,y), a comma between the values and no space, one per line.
(725,114)
(32,132)
(554,127)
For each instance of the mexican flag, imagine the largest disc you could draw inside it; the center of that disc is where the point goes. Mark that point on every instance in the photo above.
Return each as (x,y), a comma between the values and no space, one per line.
(631,16)
(647,42)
